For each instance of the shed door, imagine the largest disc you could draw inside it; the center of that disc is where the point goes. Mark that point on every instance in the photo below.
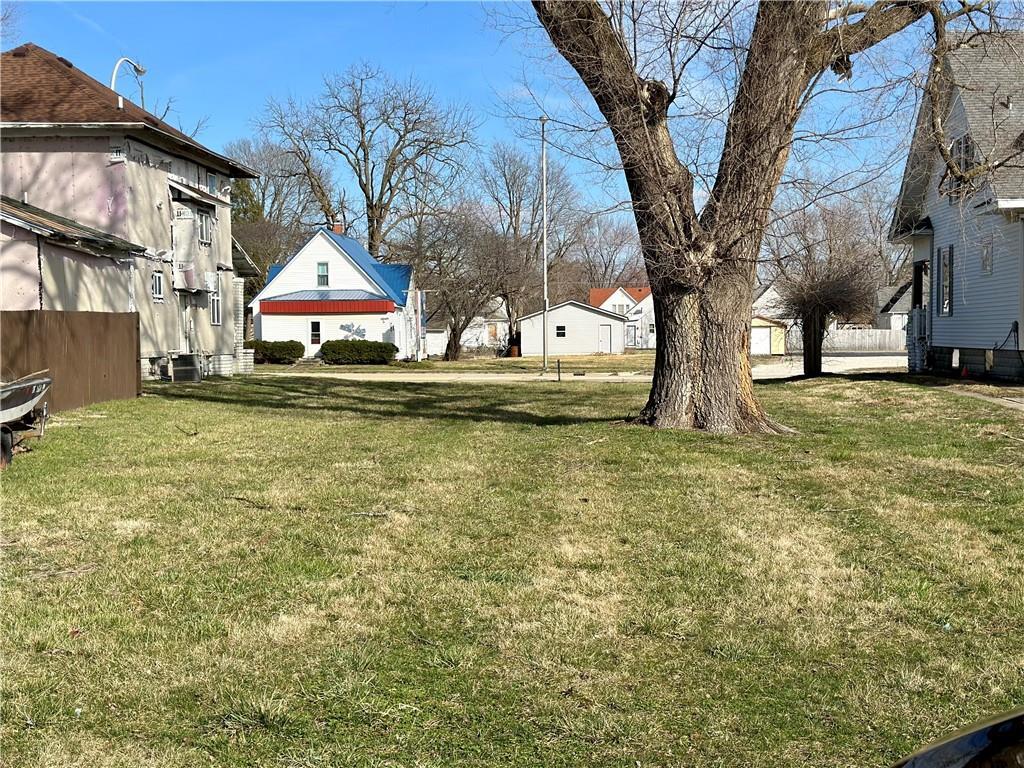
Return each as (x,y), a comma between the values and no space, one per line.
(605,341)
(760,341)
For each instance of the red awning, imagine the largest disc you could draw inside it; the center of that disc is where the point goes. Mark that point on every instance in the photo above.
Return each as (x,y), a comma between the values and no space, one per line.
(364,307)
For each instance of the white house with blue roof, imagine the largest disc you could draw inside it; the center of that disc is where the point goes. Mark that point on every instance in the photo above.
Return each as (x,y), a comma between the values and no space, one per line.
(333,289)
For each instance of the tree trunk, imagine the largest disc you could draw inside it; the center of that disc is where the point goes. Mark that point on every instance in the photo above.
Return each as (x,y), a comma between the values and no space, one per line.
(814,339)
(702,376)
(454,347)
(702,266)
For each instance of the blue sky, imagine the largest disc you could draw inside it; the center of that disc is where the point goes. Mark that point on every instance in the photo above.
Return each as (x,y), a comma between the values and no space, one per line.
(223,60)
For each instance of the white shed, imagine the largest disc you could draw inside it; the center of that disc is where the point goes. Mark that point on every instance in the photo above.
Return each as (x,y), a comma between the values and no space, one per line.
(574,328)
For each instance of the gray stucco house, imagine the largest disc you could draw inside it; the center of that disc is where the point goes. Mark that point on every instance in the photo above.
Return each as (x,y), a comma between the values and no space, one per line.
(967,294)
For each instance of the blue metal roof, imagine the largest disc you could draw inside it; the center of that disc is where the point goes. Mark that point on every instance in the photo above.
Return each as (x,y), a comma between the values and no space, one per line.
(393,279)
(339,295)
(272,271)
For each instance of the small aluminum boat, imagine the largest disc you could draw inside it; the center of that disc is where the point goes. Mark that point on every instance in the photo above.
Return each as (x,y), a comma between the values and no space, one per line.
(20,410)
(20,397)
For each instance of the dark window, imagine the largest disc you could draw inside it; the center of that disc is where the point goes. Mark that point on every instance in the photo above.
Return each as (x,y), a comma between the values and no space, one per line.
(321,275)
(560,331)
(945,303)
(965,155)
(986,256)
(314,332)
(650,328)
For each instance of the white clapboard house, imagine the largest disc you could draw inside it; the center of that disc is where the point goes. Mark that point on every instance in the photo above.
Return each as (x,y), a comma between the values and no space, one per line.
(637,304)
(333,289)
(967,291)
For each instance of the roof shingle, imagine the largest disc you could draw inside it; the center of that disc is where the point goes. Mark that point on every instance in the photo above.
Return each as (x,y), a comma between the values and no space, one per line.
(41,87)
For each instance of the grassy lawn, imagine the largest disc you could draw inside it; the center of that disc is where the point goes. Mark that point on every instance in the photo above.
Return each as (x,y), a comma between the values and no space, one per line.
(313,572)
(636,361)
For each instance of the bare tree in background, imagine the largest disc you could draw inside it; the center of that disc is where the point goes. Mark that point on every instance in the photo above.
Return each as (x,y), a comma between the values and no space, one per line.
(826,270)
(274,213)
(608,253)
(510,181)
(635,60)
(384,133)
(462,270)
(10,17)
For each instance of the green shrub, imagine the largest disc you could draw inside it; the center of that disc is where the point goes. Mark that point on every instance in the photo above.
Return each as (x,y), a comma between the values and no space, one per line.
(356,352)
(286,352)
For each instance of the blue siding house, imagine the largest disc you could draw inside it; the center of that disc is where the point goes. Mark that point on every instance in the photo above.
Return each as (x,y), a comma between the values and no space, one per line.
(967,294)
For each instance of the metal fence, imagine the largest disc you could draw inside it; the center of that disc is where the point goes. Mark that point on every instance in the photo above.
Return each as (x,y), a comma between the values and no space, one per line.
(91,356)
(852,340)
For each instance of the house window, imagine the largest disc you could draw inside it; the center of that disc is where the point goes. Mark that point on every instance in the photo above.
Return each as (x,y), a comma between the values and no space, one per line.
(492,333)
(965,156)
(322,280)
(204,225)
(945,303)
(211,183)
(560,331)
(314,332)
(650,328)
(156,285)
(986,256)
(215,304)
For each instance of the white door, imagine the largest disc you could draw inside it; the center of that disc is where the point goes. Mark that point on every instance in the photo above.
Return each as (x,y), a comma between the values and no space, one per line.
(760,341)
(605,340)
(630,335)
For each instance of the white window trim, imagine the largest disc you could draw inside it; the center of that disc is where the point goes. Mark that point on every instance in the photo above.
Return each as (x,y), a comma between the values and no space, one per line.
(326,274)
(218,317)
(200,215)
(157,297)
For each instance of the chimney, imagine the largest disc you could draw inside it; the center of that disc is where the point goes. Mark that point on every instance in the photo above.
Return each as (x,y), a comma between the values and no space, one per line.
(338,228)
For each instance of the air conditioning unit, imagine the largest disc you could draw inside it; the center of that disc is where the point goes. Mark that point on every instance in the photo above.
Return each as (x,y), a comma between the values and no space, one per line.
(185,277)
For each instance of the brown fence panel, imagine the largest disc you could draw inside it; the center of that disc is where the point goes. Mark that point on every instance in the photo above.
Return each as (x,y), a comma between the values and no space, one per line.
(91,356)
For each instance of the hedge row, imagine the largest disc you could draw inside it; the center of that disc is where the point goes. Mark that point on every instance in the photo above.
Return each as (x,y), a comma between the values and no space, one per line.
(355,352)
(276,351)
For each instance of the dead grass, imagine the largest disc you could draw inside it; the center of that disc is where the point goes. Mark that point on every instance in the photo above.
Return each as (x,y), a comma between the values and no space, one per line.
(342,573)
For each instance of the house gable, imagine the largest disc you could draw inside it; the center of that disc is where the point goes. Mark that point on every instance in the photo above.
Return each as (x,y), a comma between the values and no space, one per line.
(300,272)
(985,91)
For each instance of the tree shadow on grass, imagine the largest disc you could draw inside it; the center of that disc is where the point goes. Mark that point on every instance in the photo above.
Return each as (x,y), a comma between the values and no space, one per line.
(895,377)
(389,400)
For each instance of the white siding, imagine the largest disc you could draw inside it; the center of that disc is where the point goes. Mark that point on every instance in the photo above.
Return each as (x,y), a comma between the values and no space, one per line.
(642,318)
(299,274)
(984,305)
(582,332)
(619,302)
(379,327)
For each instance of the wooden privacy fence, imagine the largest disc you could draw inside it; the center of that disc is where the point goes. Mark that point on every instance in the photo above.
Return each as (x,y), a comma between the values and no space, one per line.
(852,340)
(92,356)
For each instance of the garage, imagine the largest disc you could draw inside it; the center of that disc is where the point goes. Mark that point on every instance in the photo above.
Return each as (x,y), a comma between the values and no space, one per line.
(767,337)
(574,328)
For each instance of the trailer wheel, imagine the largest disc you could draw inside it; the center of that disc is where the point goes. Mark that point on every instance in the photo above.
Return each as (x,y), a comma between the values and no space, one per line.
(6,447)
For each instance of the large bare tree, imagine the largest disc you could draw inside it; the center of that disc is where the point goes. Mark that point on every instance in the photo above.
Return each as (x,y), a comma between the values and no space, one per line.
(393,139)
(635,60)
(510,182)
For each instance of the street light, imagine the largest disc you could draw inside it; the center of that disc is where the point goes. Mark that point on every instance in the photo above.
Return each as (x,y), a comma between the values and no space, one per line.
(139,71)
(544,226)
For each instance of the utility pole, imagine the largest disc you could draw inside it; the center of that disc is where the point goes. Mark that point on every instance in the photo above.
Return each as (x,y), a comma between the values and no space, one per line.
(544,226)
